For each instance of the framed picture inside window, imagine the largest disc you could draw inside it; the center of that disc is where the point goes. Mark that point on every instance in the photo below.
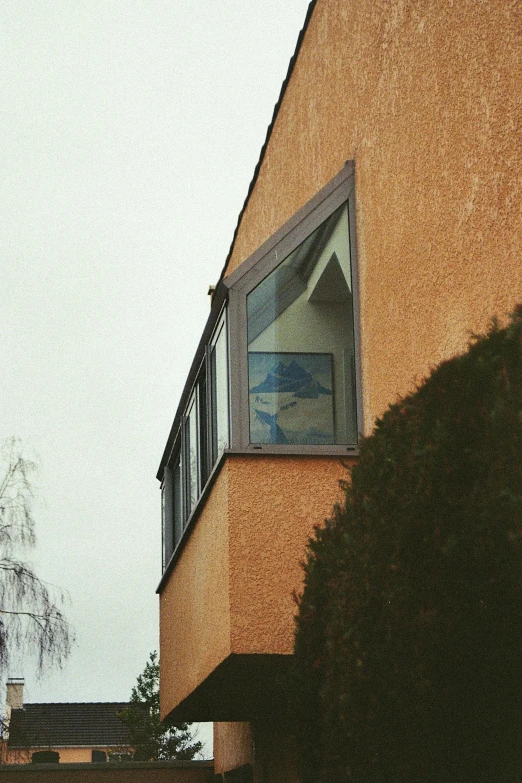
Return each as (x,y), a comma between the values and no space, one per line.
(291,398)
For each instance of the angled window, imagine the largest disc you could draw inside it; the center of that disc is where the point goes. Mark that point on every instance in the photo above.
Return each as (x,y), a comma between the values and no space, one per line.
(294,342)
(277,369)
(301,353)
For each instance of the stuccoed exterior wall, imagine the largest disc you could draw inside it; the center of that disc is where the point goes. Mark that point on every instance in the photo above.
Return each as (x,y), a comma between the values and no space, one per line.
(231,589)
(274,504)
(195,603)
(426,97)
(232,746)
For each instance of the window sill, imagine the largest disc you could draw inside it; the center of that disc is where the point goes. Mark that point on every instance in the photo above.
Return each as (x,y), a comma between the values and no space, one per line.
(296,451)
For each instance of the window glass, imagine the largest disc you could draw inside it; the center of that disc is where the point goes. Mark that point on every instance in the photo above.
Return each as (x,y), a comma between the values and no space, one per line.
(204,466)
(301,355)
(177,500)
(219,380)
(191,440)
(167,515)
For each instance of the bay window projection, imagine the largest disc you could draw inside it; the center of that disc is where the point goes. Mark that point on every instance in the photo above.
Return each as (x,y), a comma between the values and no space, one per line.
(277,368)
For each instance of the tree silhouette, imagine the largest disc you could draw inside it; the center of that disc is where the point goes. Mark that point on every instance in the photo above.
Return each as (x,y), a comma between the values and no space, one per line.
(409,630)
(151,737)
(30,618)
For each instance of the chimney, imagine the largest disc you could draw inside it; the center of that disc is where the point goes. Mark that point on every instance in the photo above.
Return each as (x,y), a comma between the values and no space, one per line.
(15,693)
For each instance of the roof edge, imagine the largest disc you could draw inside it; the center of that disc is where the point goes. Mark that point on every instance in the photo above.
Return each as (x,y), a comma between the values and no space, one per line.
(76,745)
(62,703)
(270,128)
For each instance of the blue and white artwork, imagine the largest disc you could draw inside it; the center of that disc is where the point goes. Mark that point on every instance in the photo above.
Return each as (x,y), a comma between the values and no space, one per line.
(291,398)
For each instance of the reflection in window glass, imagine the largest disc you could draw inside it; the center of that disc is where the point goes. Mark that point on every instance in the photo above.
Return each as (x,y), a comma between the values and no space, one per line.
(204,467)
(219,376)
(166,515)
(177,500)
(191,440)
(301,356)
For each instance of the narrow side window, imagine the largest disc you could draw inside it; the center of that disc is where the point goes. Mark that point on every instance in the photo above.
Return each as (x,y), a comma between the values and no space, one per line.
(177,486)
(192,454)
(167,516)
(204,461)
(219,406)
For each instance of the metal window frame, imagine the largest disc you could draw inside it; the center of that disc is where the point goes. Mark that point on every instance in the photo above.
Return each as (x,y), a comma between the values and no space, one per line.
(167,516)
(222,325)
(253,271)
(178,446)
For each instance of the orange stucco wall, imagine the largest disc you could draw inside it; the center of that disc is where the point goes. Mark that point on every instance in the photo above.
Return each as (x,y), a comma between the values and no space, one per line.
(274,504)
(267,745)
(231,590)
(426,97)
(232,746)
(195,604)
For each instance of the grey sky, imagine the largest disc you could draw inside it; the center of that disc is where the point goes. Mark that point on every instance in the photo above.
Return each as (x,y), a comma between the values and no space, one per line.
(130,132)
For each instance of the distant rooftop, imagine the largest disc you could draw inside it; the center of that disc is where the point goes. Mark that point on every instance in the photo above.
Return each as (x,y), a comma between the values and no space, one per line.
(68,724)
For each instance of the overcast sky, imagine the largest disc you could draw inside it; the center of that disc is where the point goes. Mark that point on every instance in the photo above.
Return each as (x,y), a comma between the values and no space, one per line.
(130,130)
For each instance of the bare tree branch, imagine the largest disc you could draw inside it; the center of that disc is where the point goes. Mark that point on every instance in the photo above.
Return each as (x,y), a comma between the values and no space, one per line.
(30,620)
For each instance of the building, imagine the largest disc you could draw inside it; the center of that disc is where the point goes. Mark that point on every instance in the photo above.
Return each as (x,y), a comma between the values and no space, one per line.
(382,227)
(62,732)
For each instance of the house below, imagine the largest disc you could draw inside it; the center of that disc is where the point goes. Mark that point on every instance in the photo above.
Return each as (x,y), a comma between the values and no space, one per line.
(62,732)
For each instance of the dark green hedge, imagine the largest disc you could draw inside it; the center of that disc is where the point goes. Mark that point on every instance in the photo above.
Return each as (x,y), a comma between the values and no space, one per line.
(409,630)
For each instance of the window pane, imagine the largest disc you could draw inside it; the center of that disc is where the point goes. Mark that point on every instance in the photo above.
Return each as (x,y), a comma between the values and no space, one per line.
(204,466)
(301,354)
(219,375)
(191,440)
(178,500)
(167,516)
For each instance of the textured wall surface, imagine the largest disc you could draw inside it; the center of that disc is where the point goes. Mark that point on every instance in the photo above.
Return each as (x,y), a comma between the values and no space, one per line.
(194,605)
(231,590)
(426,97)
(274,504)
(232,746)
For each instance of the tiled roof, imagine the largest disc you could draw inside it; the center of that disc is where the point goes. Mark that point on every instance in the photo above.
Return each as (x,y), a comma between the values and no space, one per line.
(66,724)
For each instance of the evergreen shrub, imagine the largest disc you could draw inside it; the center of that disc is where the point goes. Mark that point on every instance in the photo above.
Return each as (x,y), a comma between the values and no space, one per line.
(408,648)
